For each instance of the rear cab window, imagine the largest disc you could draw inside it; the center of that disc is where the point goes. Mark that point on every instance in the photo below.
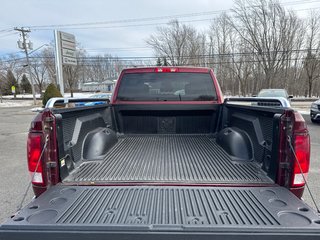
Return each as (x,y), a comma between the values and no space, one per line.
(176,86)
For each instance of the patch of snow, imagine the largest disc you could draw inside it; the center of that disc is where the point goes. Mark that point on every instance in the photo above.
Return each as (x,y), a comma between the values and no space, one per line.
(79,95)
(86,94)
(19,103)
(36,109)
(20,96)
(304,112)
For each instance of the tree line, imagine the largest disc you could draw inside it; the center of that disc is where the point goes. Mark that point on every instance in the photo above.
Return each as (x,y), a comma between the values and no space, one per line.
(259,44)
(14,72)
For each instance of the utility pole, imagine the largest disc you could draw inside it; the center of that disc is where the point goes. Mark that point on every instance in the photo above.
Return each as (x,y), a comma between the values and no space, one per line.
(24,45)
(58,61)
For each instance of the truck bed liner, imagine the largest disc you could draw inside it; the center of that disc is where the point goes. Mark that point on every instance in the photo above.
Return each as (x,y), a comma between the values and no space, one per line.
(168,158)
(121,210)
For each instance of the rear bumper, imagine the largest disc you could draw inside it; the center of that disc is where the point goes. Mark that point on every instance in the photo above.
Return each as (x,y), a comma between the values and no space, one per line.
(315,115)
(83,233)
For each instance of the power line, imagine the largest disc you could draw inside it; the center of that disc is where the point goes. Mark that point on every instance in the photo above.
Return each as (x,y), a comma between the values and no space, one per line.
(7,30)
(89,25)
(298,2)
(123,26)
(142,24)
(196,57)
(134,63)
(132,20)
(115,48)
(11,53)
(212,55)
(12,59)
(206,62)
(8,34)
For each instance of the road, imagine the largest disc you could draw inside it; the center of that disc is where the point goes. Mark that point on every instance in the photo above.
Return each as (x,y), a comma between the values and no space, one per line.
(314,172)
(14,177)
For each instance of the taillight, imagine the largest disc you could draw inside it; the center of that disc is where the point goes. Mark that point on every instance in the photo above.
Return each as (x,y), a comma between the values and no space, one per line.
(302,150)
(301,144)
(34,149)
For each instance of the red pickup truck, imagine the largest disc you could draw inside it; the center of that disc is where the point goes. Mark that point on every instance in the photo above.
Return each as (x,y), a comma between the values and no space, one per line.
(167,158)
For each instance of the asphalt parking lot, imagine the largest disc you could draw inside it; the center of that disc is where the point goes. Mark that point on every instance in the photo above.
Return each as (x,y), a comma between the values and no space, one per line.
(314,172)
(14,177)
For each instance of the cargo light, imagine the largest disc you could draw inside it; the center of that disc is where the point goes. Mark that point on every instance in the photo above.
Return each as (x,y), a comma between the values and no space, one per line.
(166,70)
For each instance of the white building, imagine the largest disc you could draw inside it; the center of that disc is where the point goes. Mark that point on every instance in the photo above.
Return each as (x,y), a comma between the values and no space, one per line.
(106,86)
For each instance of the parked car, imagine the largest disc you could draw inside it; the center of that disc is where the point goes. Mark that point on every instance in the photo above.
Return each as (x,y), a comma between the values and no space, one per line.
(273,93)
(97,95)
(315,111)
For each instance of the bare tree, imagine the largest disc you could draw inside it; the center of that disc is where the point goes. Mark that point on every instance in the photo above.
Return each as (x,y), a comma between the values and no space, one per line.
(39,71)
(311,62)
(178,43)
(100,68)
(269,30)
(2,78)
(48,61)
(70,77)
(72,74)
(220,52)
(242,64)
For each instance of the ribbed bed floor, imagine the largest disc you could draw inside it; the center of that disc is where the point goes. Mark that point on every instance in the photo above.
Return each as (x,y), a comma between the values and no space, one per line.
(170,159)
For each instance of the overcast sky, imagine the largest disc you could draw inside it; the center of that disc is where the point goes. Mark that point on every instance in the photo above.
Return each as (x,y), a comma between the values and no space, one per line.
(110,38)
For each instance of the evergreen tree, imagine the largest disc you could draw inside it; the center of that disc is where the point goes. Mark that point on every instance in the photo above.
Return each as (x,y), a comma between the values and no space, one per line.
(2,83)
(51,91)
(159,62)
(165,63)
(10,81)
(25,85)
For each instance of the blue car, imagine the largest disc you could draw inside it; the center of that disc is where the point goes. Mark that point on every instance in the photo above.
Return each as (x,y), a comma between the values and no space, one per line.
(98,95)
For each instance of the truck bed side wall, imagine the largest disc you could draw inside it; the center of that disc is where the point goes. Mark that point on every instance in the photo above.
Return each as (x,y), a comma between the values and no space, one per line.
(258,125)
(261,124)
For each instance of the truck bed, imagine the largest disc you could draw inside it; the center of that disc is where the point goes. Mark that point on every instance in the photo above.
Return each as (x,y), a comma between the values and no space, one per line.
(149,212)
(169,158)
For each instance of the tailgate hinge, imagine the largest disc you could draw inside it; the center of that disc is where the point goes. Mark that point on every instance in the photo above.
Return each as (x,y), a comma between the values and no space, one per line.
(288,123)
(51,164)
(48,119)
(285,165)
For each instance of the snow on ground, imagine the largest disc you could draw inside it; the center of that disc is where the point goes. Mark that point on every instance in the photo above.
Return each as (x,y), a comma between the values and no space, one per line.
(79,95)
(17,103)
(20,96)
(8,101)
(303,111)
(86,94)
(36,109)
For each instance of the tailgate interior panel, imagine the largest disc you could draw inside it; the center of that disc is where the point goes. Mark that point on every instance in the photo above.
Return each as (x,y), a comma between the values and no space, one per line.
(165,207)
(171,213)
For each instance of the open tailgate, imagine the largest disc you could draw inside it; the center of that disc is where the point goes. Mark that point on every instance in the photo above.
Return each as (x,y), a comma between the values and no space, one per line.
(164,212)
